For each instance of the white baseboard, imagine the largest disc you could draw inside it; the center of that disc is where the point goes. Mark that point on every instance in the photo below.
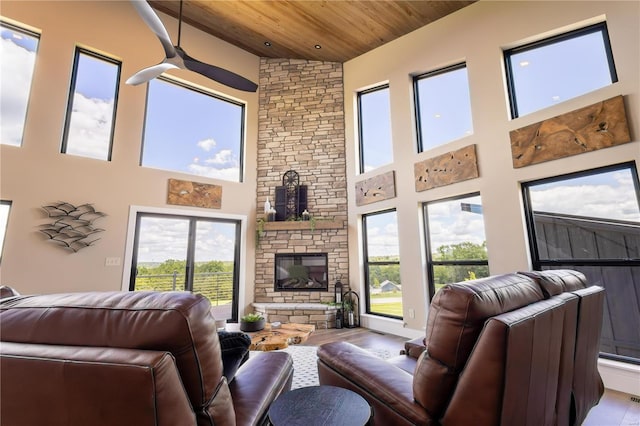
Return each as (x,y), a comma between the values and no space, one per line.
(620,376)
(389,325)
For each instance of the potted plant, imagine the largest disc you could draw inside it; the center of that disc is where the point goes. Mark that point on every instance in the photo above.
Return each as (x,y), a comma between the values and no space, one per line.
(252,322)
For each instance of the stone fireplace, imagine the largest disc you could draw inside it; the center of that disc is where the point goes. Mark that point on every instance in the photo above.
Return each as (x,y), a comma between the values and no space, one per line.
(301,128)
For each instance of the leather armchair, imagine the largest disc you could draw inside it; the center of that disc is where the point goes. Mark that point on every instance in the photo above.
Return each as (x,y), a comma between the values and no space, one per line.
(498,350)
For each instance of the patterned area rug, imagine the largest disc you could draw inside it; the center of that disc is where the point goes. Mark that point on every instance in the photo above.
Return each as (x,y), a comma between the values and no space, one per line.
(305,368)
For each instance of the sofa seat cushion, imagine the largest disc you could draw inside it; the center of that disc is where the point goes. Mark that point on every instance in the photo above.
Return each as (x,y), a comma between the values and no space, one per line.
(387,388)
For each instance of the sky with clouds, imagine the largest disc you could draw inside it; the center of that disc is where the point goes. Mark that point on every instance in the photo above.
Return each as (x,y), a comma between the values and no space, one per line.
(167,238)
(16,75)
(191,132)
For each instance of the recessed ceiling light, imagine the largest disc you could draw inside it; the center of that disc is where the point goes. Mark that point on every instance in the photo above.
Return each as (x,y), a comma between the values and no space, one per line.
(317,46)
(524,63)
(267,43)
(437,115)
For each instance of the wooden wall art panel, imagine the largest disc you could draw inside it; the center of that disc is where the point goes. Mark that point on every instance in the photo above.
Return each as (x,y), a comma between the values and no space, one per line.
(597,126)
(445,169)
(186,193)
(377,188)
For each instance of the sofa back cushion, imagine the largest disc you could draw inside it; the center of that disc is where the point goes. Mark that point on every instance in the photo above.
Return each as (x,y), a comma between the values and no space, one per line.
(176,322)
(511,375)
(557,281)
(57,385)
(456,317)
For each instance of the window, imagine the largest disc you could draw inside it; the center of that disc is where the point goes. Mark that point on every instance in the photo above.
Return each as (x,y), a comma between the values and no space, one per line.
(457,246)
(188,253)
(18,52)
(374,118)
(382,264)
(5,207)
(443,106)
(192,131)
(555,69)
(590,222)
(91,110)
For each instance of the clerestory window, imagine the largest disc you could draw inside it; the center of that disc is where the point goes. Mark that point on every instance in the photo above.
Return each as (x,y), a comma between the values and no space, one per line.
(558,68)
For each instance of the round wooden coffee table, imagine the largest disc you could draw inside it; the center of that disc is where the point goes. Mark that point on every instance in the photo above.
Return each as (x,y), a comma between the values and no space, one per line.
(319,405)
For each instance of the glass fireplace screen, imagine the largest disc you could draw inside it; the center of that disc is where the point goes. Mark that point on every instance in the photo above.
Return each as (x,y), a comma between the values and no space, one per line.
(301,272)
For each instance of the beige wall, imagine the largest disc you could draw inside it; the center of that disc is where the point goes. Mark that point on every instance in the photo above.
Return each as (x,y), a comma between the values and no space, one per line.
(477,34)
(37,174)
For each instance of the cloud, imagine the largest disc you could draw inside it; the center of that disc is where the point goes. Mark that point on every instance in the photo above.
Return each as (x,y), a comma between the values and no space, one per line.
(16,71)
(207,144)
(162,239)
(610,201)
(90,127)
(222,165)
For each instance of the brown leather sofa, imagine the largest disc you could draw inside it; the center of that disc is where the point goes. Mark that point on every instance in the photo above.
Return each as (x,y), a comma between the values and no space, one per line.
(514,349)
(126,358)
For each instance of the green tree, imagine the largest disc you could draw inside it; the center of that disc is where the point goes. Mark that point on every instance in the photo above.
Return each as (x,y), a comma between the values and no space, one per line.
(211,266)
(444,274)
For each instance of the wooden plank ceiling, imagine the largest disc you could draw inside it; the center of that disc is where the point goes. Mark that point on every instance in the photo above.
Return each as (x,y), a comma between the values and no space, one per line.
(293,28)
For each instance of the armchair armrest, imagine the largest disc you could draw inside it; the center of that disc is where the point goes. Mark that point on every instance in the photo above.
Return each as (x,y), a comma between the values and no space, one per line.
(414,348)
(387,388)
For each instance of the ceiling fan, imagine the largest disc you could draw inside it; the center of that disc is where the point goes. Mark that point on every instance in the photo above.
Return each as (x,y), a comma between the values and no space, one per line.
(176,57)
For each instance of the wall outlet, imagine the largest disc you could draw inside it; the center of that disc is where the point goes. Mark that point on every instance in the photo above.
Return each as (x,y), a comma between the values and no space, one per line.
(412,313)
(112,261)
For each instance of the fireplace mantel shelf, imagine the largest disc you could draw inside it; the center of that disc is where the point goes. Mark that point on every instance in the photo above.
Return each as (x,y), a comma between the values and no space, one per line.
(302,225)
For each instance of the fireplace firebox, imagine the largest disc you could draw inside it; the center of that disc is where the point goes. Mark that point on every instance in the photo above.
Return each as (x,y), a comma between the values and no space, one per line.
(301,272)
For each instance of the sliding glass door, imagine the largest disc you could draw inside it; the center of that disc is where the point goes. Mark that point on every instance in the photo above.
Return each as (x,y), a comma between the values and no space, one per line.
(186,253)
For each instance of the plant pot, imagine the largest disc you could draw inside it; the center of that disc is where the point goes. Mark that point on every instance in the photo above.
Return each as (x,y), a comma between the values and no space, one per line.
(252,326)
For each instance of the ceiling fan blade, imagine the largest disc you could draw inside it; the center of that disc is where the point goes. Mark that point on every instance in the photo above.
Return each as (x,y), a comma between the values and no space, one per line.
(150,73)
(151,19)
(218,74)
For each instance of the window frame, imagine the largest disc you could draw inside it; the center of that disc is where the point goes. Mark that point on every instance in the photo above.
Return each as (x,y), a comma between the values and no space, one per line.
(197,89)
(416,100)
(6,226)
(539,264)
(360,121)
(600,27)
(427,238)
(366,263)
(191,246)
(31,33)
(72,90)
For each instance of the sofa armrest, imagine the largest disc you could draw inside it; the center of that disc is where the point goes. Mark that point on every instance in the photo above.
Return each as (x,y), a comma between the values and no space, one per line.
(90,385)
(258,383)
(414,348)
(388,389)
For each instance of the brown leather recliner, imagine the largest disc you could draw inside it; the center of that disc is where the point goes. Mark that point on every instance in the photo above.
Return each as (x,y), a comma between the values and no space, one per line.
(497,351)
(126,358)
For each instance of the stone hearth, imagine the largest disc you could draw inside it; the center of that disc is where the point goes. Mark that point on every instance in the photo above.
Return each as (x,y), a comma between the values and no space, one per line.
(319,314)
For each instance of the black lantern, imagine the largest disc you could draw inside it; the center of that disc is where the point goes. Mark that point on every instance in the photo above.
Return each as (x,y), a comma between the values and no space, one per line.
(351,308)
(338,292)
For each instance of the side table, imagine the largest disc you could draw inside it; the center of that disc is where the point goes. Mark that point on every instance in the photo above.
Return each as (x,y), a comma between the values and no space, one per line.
(320,406)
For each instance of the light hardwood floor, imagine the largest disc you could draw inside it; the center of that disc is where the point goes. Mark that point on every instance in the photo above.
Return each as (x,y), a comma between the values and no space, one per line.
(615,408)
